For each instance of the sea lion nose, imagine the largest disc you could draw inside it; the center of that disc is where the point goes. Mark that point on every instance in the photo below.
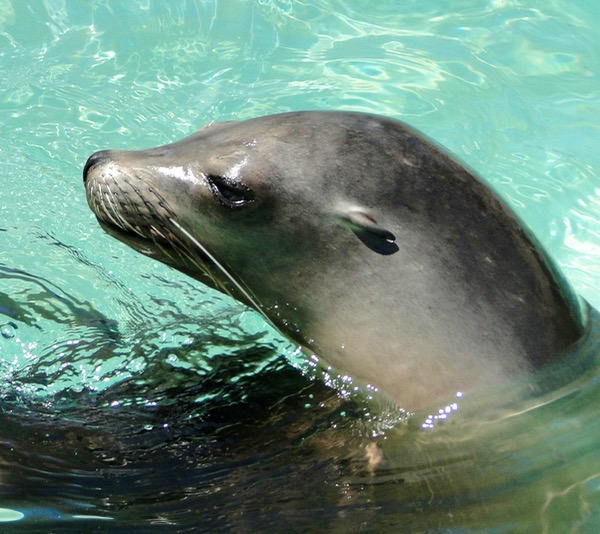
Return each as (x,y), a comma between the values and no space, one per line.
(94,159)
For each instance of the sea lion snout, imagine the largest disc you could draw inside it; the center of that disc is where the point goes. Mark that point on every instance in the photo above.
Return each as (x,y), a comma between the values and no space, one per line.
(95,159)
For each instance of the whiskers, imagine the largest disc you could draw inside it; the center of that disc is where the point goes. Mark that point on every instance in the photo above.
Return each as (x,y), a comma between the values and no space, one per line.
(133,206)
(112,204)
(244,291)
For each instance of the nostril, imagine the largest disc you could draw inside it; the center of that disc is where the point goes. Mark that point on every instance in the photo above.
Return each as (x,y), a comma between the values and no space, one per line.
(94,159)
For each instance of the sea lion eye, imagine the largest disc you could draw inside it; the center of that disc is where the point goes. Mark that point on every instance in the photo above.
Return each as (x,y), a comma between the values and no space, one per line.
(229,193)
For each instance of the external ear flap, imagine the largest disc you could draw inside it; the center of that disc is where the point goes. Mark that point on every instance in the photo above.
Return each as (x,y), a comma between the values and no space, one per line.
(374,236)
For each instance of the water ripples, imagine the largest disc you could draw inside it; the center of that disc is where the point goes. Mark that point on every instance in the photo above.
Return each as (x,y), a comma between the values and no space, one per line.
(132,394)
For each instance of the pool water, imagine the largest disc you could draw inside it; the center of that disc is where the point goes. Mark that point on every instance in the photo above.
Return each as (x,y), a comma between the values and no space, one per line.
(132,397)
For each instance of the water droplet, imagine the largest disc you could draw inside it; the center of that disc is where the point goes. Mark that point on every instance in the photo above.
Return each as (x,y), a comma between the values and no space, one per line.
(8,330)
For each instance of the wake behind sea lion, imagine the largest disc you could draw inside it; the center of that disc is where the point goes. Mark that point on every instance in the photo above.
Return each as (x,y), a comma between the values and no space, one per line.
(358,238)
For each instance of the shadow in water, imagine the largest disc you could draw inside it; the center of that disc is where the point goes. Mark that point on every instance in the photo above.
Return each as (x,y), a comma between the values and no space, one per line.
(272,451)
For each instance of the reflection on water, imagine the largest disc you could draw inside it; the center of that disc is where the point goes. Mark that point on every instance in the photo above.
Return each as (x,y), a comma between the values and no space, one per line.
(132,398)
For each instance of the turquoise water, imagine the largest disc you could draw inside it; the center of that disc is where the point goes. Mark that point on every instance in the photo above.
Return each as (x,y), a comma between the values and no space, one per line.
(132,397)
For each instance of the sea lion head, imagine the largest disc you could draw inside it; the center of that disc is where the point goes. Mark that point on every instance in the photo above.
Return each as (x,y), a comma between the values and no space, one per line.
(263,200)
(355,235)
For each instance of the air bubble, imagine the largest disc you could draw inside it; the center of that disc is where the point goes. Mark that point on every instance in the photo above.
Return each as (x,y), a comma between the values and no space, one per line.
(8,330)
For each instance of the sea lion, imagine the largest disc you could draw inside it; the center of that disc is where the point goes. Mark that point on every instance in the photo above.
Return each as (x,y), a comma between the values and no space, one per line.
(358,238)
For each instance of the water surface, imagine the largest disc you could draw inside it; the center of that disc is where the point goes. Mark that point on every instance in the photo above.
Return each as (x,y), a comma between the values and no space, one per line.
(135,398)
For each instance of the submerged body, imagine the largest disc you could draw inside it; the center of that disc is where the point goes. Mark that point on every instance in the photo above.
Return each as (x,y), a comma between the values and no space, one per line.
(356,236)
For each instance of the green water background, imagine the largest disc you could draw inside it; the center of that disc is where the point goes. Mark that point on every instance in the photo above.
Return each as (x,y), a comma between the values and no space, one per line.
(511,87)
